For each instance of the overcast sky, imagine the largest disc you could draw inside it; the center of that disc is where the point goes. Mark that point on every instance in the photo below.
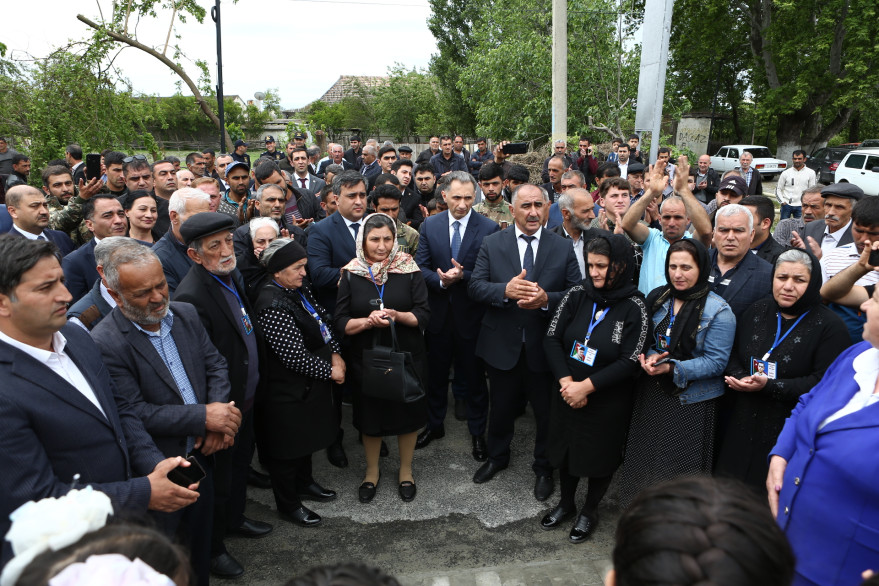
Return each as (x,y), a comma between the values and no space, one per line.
(299,47)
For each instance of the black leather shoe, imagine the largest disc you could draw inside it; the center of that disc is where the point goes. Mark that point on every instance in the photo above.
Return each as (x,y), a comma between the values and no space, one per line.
(407,491)
(556,517)
(336,454)
(461,409)
(543,487)
(225,566)
(428,435)
(487,471)
(258,479)
(303,517)
(252,528)
(315,492)
(383,452)
(583,528)
(480,450)
(366,492)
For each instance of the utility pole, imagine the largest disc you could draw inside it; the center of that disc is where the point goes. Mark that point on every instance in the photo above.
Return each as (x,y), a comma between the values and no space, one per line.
(651,82)
(559,70)
(215,15)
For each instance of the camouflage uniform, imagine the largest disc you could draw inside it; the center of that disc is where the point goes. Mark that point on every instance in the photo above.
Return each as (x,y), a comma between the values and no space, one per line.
(68,219)
(498,211)
(407,238)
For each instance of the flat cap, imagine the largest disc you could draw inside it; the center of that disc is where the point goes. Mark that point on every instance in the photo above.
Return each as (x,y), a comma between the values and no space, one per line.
(205,224)
(405,149)
(636,167)
(843,190)
(734,183)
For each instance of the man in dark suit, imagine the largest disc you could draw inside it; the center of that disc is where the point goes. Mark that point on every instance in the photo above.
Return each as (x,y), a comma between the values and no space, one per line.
(737,275)
(302,178)
(104,217)
(521,273)
(217,291)
(97,303)
(446,254)
(822,236)
(55,387)
(707,180)
(330,247)
(164,365)
(301,207)
(335,159)
(30,218)
(751,175)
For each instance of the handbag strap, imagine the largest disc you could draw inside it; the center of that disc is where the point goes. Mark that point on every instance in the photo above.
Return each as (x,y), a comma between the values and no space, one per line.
(377,332)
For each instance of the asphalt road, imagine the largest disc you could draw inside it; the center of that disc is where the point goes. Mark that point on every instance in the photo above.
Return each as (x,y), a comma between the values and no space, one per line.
(454,533)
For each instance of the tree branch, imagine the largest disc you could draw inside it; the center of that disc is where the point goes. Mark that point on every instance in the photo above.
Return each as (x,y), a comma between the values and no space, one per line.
(121,38)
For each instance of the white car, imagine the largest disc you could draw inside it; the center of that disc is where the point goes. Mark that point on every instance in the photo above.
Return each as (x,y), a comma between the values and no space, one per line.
(727,159)
(860,167)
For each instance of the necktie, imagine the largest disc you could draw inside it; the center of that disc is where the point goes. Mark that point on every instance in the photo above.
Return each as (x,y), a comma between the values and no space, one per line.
(302,181)
(456,239)
(528,261)
(356,227)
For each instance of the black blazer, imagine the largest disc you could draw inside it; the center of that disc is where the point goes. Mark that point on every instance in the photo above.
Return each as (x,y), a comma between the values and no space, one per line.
(755,187)
(201,290)
(330,247)
(49,431)
(60,239)
(80,270)
(144,383)
(555,269)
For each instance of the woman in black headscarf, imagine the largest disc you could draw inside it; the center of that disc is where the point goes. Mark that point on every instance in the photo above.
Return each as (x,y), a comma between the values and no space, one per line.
(790,339)
(673,421)
(592,346)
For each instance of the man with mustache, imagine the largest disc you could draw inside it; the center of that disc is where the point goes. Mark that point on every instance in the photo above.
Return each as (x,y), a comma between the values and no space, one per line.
(813,209)
(216,289)
(163,364)
(30,218)
(835,230)
(521,273)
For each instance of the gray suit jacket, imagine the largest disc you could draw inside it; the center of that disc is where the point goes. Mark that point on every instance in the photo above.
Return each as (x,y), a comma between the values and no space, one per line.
(816,230)
(315,184)
(144,382)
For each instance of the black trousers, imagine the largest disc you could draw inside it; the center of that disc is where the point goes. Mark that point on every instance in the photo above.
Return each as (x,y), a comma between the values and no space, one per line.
(289,476)
(192,525)
(444,347)
(230,483)
(509,391)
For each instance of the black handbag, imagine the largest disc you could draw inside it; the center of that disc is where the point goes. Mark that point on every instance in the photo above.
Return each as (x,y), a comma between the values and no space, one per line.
(390,374)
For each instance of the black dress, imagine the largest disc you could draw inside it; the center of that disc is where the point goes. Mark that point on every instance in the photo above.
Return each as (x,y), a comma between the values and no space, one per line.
(295,415)
(589,441)
(358,297)
(802,357)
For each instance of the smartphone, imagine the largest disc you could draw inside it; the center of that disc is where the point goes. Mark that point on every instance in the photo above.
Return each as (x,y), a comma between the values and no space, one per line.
(515,148)
(185,476)
(92,166)
(661,361)
(874,258)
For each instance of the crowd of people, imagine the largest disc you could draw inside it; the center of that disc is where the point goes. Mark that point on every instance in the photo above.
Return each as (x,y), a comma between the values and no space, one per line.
(160,321)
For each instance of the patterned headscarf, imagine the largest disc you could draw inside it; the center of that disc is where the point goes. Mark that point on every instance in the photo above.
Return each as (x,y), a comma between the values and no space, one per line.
(396,263)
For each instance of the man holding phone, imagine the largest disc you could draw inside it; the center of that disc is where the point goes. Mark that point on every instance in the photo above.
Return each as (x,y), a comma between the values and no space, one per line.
(163,364)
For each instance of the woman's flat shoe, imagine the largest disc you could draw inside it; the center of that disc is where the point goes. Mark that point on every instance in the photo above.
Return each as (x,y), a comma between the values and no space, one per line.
(366,492)
(407,491)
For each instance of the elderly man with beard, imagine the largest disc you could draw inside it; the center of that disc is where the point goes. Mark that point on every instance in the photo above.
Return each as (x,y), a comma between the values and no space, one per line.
(217,291)
(163,365)
(578,213)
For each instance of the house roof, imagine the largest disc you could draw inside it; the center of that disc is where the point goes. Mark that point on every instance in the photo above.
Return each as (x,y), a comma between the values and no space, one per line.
(347,85)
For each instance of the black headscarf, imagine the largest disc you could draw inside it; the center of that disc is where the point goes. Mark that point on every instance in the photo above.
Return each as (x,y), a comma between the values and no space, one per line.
(811,297)
(619,283)
(683,333)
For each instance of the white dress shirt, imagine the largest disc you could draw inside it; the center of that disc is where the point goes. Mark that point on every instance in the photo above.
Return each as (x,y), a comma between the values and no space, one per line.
(523,245)
(351,230)
(462,228)
(28,235)
(831,239)
(578,251)
(59,363)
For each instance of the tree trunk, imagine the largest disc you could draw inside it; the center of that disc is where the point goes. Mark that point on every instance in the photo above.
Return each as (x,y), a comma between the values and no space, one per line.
(854,128)
(205,107)
(789,135)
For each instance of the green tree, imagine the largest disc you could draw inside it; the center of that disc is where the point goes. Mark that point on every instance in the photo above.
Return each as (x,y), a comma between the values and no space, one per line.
(407,105)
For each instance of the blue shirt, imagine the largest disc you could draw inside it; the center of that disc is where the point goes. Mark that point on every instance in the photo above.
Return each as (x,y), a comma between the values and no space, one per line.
(165,346)
(653,264)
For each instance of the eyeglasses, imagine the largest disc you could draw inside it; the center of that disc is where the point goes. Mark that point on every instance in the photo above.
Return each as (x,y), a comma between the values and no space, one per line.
(134,158)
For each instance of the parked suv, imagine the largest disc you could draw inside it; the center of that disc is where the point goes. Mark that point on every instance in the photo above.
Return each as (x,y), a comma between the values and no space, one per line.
(861,167)
(825,161)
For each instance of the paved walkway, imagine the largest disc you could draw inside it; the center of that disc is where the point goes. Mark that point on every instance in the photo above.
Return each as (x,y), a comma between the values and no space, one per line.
(455,533)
